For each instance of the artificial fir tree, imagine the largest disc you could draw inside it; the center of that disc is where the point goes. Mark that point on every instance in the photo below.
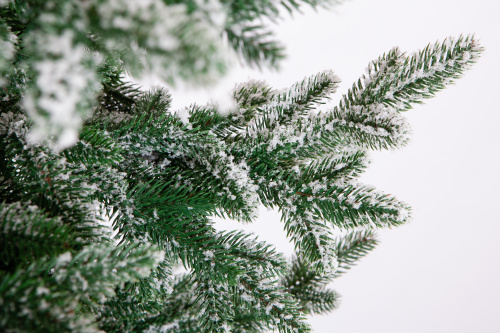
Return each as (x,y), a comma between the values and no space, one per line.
(80,146)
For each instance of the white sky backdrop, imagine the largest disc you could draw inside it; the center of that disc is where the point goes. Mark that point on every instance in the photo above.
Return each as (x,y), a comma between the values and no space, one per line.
(441,272)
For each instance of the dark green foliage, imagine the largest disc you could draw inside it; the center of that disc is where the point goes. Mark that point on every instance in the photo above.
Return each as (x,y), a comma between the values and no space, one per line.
(36,298)
(308,287)
(252,42)
(27,235)
(353,247)
(108,197)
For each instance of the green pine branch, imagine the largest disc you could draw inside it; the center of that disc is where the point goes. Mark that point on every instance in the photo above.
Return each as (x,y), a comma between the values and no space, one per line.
(369,113)
(352,247)
(57,295)
(160,176)
(250,10)
(256,45)
(309,287)
(27,235)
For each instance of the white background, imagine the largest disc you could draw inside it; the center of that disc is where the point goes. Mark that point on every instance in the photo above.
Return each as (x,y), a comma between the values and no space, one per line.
(440,272)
